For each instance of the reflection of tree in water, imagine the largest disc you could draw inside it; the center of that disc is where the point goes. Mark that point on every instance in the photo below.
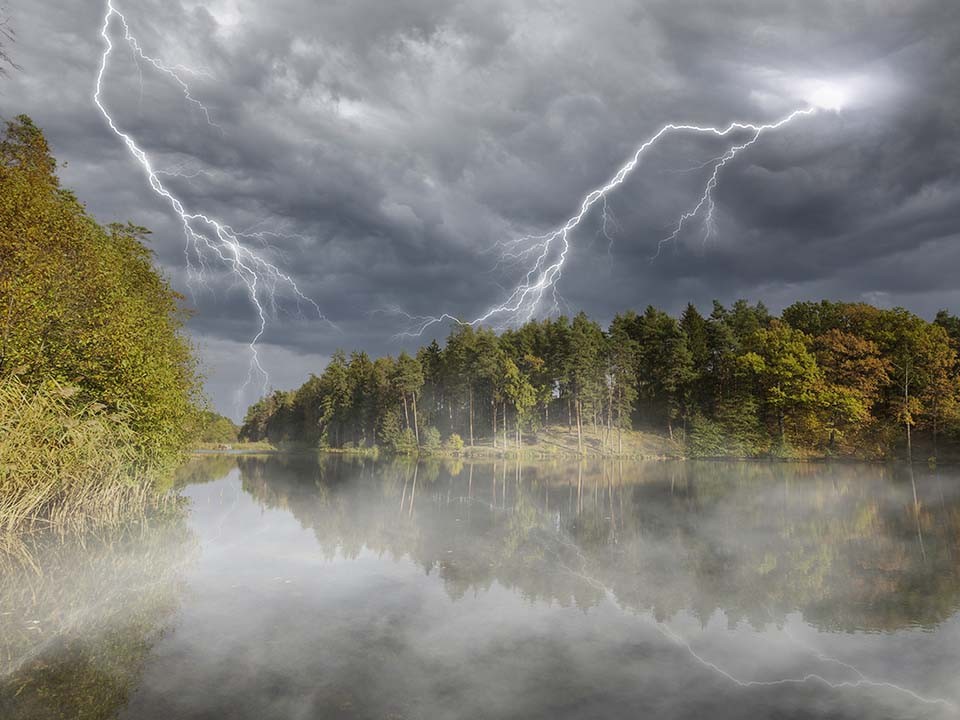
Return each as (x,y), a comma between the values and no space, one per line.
(205,468)
(77,625)
(841,544)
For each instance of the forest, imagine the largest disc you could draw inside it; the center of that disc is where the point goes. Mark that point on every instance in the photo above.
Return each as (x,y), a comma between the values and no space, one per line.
(822,379)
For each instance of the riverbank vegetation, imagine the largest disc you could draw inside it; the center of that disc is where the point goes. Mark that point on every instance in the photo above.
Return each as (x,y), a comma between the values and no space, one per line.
(822,379)
(98,384)
(213,430)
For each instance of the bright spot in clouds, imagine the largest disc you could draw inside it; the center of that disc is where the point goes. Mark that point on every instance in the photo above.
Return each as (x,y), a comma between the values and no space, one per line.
(829,96)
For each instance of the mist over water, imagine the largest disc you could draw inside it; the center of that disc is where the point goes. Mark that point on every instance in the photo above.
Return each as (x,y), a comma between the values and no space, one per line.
(300,586)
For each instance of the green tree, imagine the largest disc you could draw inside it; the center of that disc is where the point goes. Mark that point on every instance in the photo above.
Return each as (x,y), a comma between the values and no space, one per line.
(519,393)
(790,382)
(409,381)
(623,352)
(587,369)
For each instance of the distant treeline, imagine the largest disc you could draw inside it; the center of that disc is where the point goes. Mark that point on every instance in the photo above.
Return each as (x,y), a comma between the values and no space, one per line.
(823,378)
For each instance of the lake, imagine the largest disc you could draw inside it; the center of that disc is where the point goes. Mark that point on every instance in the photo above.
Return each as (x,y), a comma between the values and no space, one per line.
(297,586)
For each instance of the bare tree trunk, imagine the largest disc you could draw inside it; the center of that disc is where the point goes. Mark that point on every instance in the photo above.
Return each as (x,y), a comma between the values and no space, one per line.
(406,417)
(936,415)
(471,416)
(504,424)
(493,407)
(906,411)
(579,430)
(619,421)
(416,426)
(606,437)
(517,423)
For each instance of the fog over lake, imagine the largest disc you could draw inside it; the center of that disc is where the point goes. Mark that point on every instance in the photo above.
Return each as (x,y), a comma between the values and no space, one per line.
(305,586)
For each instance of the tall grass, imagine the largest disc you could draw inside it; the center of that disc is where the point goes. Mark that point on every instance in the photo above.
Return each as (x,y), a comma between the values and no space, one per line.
(65,465)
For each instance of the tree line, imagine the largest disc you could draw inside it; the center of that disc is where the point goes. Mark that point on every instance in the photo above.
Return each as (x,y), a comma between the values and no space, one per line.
(84,313)
(822,378)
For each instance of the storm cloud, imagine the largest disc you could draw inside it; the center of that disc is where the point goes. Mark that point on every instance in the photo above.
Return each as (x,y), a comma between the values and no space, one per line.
(393,143)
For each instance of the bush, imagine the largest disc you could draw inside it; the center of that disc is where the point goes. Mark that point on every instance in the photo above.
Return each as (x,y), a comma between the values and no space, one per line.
(431,441)
(706,438)
(454,444)
(405,443)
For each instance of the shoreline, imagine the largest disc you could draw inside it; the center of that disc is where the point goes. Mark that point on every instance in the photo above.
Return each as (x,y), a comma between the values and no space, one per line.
(552,445)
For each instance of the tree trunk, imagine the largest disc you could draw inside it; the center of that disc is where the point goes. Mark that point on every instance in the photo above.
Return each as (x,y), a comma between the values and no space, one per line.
(906,411)
(406,416)
(936,413)
(517,423)
(416,425)
(607,433)
(504,424)
(620,421)
(493,408)
(579,430)
(471,416)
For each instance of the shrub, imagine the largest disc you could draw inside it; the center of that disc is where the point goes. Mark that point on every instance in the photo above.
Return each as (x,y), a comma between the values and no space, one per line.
(455,444)
(405,443)
(706,438)
(431,441)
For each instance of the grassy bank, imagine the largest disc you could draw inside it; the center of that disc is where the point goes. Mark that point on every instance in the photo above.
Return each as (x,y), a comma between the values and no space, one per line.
(66,465)
(552,442)
(559,442)
(235,447)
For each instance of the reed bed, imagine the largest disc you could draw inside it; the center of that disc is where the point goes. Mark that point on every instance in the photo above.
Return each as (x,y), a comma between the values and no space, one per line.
(65,465)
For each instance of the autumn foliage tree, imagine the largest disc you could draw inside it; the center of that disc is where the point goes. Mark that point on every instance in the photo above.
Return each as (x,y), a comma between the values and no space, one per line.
(83,305)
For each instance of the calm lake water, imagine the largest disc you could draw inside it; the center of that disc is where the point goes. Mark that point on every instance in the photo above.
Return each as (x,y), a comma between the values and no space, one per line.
(297,587)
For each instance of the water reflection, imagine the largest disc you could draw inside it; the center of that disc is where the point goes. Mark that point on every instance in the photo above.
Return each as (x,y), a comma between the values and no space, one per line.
(850,547)
(79,615)
(333,587)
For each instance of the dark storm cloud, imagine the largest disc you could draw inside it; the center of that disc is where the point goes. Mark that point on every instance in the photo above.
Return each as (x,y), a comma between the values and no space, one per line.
(394,142)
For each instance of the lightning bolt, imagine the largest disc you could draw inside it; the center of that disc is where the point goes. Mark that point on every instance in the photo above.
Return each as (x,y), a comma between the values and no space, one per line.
(546,254)
(206,236)
(609,226)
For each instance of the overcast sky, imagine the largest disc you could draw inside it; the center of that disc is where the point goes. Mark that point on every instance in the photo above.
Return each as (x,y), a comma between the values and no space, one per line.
(393,142)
